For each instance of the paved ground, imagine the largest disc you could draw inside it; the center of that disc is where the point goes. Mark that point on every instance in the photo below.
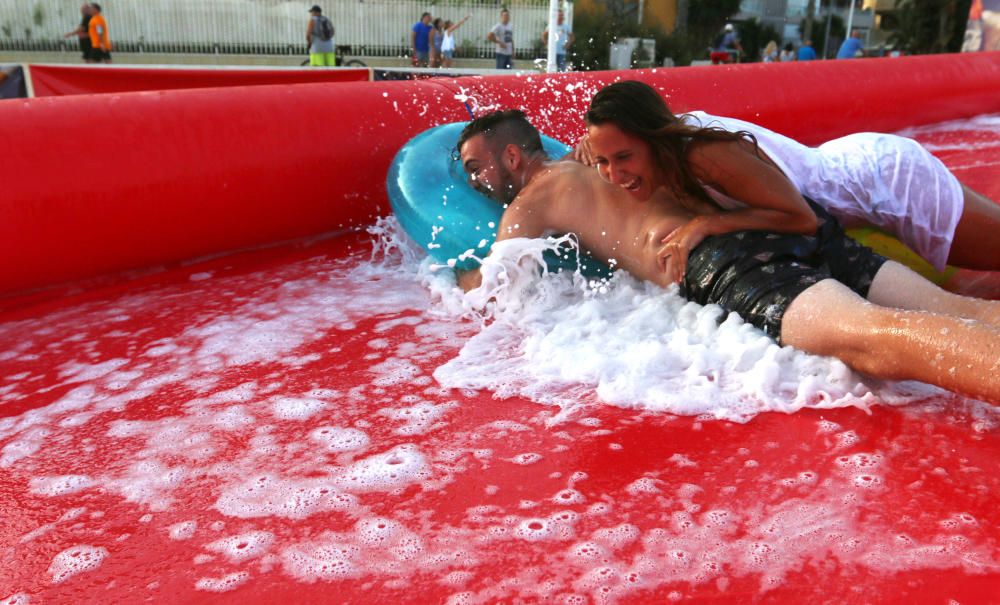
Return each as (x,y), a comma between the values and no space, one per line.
(221,59)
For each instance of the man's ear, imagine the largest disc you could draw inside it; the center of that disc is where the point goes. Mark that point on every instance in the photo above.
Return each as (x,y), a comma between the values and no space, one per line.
(512,156)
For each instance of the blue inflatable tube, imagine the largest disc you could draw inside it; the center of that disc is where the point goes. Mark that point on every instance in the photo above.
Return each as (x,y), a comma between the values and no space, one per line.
(437,207)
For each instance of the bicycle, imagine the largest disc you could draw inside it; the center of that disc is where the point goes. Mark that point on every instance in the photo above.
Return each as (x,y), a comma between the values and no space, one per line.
(339,59)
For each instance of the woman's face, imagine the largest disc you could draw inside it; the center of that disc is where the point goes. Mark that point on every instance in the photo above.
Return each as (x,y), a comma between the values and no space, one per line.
(624,160)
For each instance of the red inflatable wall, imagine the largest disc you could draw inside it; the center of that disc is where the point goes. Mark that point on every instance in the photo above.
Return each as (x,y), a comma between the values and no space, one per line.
(59,80)
(103,183)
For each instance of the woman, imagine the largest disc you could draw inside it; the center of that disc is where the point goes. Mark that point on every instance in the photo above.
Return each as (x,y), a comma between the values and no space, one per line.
(435,36)
(787,53)
(770,52)
(760,177)
(448,41)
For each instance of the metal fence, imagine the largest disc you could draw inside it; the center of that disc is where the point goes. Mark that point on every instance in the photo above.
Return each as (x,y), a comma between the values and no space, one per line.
(370,27)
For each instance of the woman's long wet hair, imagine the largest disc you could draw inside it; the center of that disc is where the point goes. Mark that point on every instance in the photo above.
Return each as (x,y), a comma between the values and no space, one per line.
(637,109)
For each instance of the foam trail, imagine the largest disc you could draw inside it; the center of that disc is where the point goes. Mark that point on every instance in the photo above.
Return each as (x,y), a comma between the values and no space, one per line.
(561,339)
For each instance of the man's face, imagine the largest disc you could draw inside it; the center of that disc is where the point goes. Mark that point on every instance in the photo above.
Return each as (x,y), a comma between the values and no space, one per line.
(426,19)
(85,9)
(486,172)
(504,17)
(560,18)
(624,160)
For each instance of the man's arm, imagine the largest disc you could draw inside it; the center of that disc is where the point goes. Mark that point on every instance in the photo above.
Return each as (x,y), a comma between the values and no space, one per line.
(522,218)
(492,37)
(309,33)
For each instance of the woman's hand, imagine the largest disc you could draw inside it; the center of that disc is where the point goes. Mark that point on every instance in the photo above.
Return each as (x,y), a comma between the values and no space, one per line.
(673,254)
(582,152)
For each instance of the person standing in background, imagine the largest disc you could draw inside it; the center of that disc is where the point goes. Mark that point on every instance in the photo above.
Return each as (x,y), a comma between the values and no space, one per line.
(502,36)
(100,41)
(82,31)
(435,42)
(420,40)
(319,38)
(726,48)
(770,52)
(787,53)
(852,47)
(806,51)
(448,41)
(564,38)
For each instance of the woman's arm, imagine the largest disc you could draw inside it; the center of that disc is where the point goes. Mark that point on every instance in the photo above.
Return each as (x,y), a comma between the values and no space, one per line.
(739,171)
(459,24)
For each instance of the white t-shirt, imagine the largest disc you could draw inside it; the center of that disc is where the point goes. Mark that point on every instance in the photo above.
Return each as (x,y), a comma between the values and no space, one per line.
(505,36)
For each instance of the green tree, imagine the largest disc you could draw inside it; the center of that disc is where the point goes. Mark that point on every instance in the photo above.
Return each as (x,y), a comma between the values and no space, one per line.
(754,37)
(931,26)
(595,32)
(706,18)
(836,32)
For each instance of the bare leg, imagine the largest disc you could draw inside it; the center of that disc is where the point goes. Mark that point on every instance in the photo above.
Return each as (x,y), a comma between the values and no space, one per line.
(896,285)
(957,354)
(976,244)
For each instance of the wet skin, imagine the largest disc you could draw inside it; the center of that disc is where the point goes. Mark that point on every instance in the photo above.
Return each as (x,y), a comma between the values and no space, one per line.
(567,197)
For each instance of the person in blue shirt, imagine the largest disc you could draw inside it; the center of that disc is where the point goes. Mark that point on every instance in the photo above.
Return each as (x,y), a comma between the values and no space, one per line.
(420,40)
(851,47)
(806,51)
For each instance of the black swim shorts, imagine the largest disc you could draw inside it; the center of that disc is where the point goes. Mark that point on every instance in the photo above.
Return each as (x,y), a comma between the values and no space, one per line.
(758,274)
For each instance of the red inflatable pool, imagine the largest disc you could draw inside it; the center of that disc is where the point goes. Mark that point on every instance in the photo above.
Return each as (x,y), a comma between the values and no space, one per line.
(211,388)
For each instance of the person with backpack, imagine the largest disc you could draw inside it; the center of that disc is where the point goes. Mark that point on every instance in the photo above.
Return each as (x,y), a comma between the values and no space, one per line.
(319,37)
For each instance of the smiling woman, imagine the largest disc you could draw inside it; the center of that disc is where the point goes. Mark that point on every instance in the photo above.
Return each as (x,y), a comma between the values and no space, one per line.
(762,178)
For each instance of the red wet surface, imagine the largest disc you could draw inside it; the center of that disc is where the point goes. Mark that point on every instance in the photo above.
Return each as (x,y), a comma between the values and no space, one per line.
(129,410)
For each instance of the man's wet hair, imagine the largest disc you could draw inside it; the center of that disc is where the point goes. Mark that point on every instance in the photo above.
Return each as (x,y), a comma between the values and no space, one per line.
(501,128)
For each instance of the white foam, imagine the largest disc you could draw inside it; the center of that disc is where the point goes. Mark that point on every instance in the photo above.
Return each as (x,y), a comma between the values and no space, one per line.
(296,408)
(243,547)
(19,598)
(337,439)
(268,495)
(325,558)
(58,486)
(224,584)
(556,339)
(76,560)
(418,419)
(183,530)
(395,468)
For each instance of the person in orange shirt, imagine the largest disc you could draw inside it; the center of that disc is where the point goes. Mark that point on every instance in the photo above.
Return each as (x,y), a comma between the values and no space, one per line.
(100,43)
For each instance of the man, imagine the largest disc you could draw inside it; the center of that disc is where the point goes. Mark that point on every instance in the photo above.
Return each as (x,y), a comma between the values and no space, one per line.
(420,40)
(851,47)
(319,39)
(82,32)
(806,51)
(727,48)
(502,36)
(564,38)
(100,42)
(907,329)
